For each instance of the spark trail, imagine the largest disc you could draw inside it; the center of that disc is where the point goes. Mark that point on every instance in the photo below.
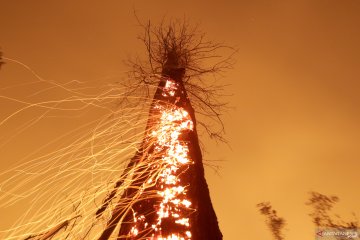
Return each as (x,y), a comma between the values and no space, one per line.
(90,190)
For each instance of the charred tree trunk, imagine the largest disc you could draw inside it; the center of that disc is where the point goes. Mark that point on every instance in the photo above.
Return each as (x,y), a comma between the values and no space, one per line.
(203,223)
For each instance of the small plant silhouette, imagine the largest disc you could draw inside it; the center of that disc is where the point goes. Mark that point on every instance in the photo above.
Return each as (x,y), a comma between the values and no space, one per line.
(274,222)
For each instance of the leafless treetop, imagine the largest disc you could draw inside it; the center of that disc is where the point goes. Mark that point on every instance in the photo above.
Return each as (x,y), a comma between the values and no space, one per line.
(180,45)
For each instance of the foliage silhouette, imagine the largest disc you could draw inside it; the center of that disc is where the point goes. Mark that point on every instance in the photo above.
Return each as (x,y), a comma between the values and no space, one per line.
(274,222)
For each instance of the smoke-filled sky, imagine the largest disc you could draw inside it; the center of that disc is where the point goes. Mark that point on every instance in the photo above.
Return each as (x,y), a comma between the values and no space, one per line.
(293,125)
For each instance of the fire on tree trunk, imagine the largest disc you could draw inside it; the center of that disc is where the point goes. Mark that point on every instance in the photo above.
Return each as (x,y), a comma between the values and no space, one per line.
(169,197)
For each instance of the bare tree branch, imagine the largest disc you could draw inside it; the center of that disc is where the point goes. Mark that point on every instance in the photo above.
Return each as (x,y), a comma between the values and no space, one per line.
(202,61)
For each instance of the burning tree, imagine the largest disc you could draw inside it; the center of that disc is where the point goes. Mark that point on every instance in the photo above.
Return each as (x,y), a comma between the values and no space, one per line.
(162,192)
(168,194)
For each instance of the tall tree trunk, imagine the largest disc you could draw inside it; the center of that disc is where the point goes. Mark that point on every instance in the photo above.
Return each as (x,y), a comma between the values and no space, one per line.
(203,223)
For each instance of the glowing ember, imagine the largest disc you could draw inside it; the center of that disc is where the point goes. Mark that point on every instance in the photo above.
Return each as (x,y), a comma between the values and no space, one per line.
(173,206)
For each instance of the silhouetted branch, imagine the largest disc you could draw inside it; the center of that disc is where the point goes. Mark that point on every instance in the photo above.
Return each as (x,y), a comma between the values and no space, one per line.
(274,222)
(201,60)
(322,206)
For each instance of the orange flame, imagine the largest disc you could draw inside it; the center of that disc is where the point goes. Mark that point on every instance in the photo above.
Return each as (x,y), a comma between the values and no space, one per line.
(174,155)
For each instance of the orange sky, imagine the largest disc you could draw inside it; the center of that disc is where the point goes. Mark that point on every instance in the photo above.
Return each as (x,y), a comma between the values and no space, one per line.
(294,126)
